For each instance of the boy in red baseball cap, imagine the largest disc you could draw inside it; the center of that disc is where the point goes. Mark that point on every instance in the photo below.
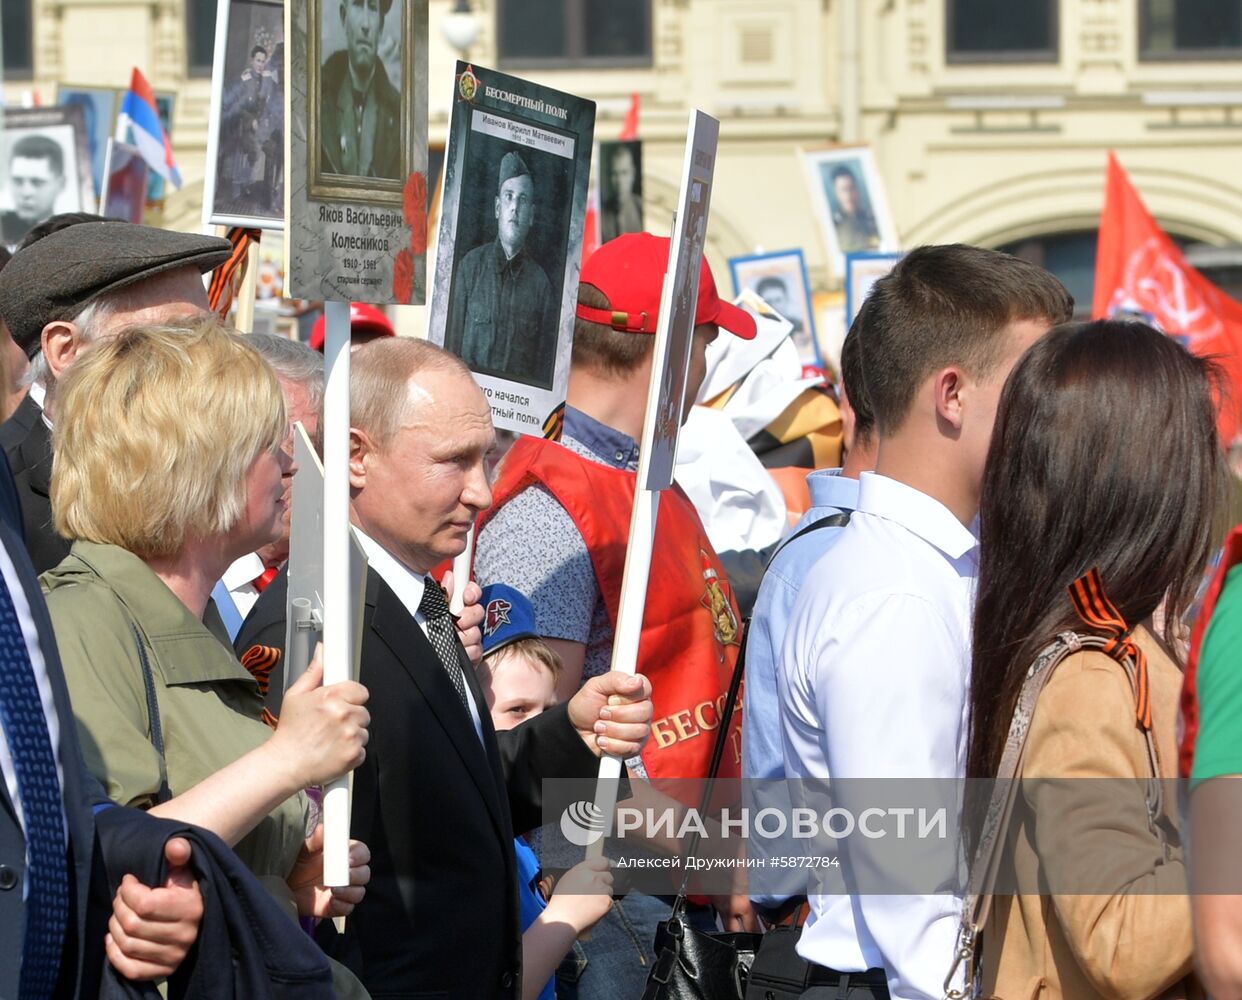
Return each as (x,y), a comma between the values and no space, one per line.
(558,530)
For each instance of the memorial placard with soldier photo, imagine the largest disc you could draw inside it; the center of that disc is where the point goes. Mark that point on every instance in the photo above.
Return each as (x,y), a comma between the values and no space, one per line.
(245,181)
(356,150)
(511,223)
(680,300)
(45,168)
(621,188)
(780,280)
(848,194)
(99,107)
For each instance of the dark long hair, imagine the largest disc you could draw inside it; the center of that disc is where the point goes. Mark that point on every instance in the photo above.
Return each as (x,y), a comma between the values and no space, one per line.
(1104,455)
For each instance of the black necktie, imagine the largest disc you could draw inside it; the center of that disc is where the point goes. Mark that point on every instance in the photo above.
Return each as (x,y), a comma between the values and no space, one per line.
(443,636)
(30,745)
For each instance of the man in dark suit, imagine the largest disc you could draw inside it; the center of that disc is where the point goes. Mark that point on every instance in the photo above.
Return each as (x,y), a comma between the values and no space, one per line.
(440,793)
(52,920)
(68,289)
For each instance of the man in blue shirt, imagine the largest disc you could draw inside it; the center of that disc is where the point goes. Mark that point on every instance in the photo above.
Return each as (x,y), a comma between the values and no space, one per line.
(833,491)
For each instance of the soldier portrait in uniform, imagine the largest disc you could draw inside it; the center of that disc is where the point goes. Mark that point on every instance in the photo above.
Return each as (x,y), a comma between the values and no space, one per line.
(246,148)
(780,279)
(848,191)
(504,305)
(45,168)
(360,81)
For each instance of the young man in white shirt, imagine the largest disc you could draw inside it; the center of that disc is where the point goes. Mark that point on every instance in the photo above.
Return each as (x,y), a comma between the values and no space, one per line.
(875,666)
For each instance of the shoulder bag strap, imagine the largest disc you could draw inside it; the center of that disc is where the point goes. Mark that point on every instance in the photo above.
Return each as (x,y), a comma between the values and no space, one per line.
(985,866)
(153,713)
(722,738)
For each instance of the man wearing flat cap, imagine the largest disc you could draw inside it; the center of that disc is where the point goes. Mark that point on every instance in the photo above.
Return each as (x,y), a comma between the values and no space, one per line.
(502,317)
(71,288)
(359,108)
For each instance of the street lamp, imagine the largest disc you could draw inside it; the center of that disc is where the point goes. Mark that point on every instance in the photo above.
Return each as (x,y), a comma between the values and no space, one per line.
(462,27)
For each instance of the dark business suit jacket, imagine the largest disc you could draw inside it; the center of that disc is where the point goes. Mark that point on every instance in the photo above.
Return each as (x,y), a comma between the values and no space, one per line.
(31,462)
(83,956)
(19,423)
(438,809)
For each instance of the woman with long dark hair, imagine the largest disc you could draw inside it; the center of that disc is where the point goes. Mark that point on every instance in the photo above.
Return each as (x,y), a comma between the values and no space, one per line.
(1100,507)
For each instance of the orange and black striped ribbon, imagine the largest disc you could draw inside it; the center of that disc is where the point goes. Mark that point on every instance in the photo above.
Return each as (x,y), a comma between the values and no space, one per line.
(223,284)
(260,660)
(1094,608)
(554,424)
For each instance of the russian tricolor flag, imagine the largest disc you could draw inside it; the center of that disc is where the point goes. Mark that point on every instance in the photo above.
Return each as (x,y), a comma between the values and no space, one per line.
(141,117)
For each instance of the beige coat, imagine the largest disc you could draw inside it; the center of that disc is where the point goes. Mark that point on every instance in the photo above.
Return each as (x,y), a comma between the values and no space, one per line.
(1130,938)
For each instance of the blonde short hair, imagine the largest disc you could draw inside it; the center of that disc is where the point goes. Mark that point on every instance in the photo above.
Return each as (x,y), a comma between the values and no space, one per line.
(379,382)
(155,430)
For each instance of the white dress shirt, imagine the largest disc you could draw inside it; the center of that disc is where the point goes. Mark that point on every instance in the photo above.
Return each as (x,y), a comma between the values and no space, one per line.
(408,586)
(31,634)
(239,580)
(873,684)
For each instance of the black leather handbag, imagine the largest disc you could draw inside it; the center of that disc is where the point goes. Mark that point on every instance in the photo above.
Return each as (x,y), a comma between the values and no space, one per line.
(692,964)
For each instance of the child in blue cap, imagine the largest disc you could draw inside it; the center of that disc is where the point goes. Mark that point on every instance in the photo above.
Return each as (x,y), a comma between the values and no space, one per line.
(518,676)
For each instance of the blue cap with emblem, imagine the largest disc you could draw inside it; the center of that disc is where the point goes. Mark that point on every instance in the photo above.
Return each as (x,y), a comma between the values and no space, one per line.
(508,616)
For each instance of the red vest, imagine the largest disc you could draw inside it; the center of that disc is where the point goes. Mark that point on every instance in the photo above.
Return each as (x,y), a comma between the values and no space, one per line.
(1190,695)
(691,630)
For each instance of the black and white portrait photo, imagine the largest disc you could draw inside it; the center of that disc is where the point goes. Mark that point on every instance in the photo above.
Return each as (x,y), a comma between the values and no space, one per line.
(621,188)
(780,279)
(246,145)
(513,224)
(517,170)
(45,168)
(361,81)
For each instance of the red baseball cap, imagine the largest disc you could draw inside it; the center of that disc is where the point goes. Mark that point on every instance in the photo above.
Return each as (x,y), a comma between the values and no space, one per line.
(363,319)
(629,270)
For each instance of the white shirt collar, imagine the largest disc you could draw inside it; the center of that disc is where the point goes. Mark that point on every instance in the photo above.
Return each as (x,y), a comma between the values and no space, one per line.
(915,511)
(37,393)
(405,583)
(244,571)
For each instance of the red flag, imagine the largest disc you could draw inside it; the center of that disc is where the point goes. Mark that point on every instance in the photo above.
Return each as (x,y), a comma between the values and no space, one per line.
(1140,272)
(629,127)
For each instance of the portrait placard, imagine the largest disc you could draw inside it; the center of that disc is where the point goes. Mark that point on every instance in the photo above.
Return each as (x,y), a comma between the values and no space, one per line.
(124,194)
(620,188)
(862,270)
(508,259)
(848,194)
(45,168)
(356,150)
(99,107)
(678,302)
(780,280)
(245,178)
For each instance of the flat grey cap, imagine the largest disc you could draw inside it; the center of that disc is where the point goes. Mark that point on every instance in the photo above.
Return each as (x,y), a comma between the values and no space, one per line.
(59,275)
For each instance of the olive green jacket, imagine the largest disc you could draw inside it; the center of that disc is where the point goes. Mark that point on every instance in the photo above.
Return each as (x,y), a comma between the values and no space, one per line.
(102,598)
(209,705)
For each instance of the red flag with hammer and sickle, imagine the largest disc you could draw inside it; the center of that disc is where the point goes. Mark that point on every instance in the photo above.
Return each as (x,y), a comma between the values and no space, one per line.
(1140,272)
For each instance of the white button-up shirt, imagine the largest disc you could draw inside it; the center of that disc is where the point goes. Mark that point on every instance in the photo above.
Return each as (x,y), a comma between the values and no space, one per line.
(408,586)
(873,684)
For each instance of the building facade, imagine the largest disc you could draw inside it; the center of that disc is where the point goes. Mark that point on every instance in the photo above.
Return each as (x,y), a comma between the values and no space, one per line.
(990,120)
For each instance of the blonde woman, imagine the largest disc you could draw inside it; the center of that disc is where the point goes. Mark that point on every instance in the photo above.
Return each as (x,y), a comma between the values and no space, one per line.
(168,466)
